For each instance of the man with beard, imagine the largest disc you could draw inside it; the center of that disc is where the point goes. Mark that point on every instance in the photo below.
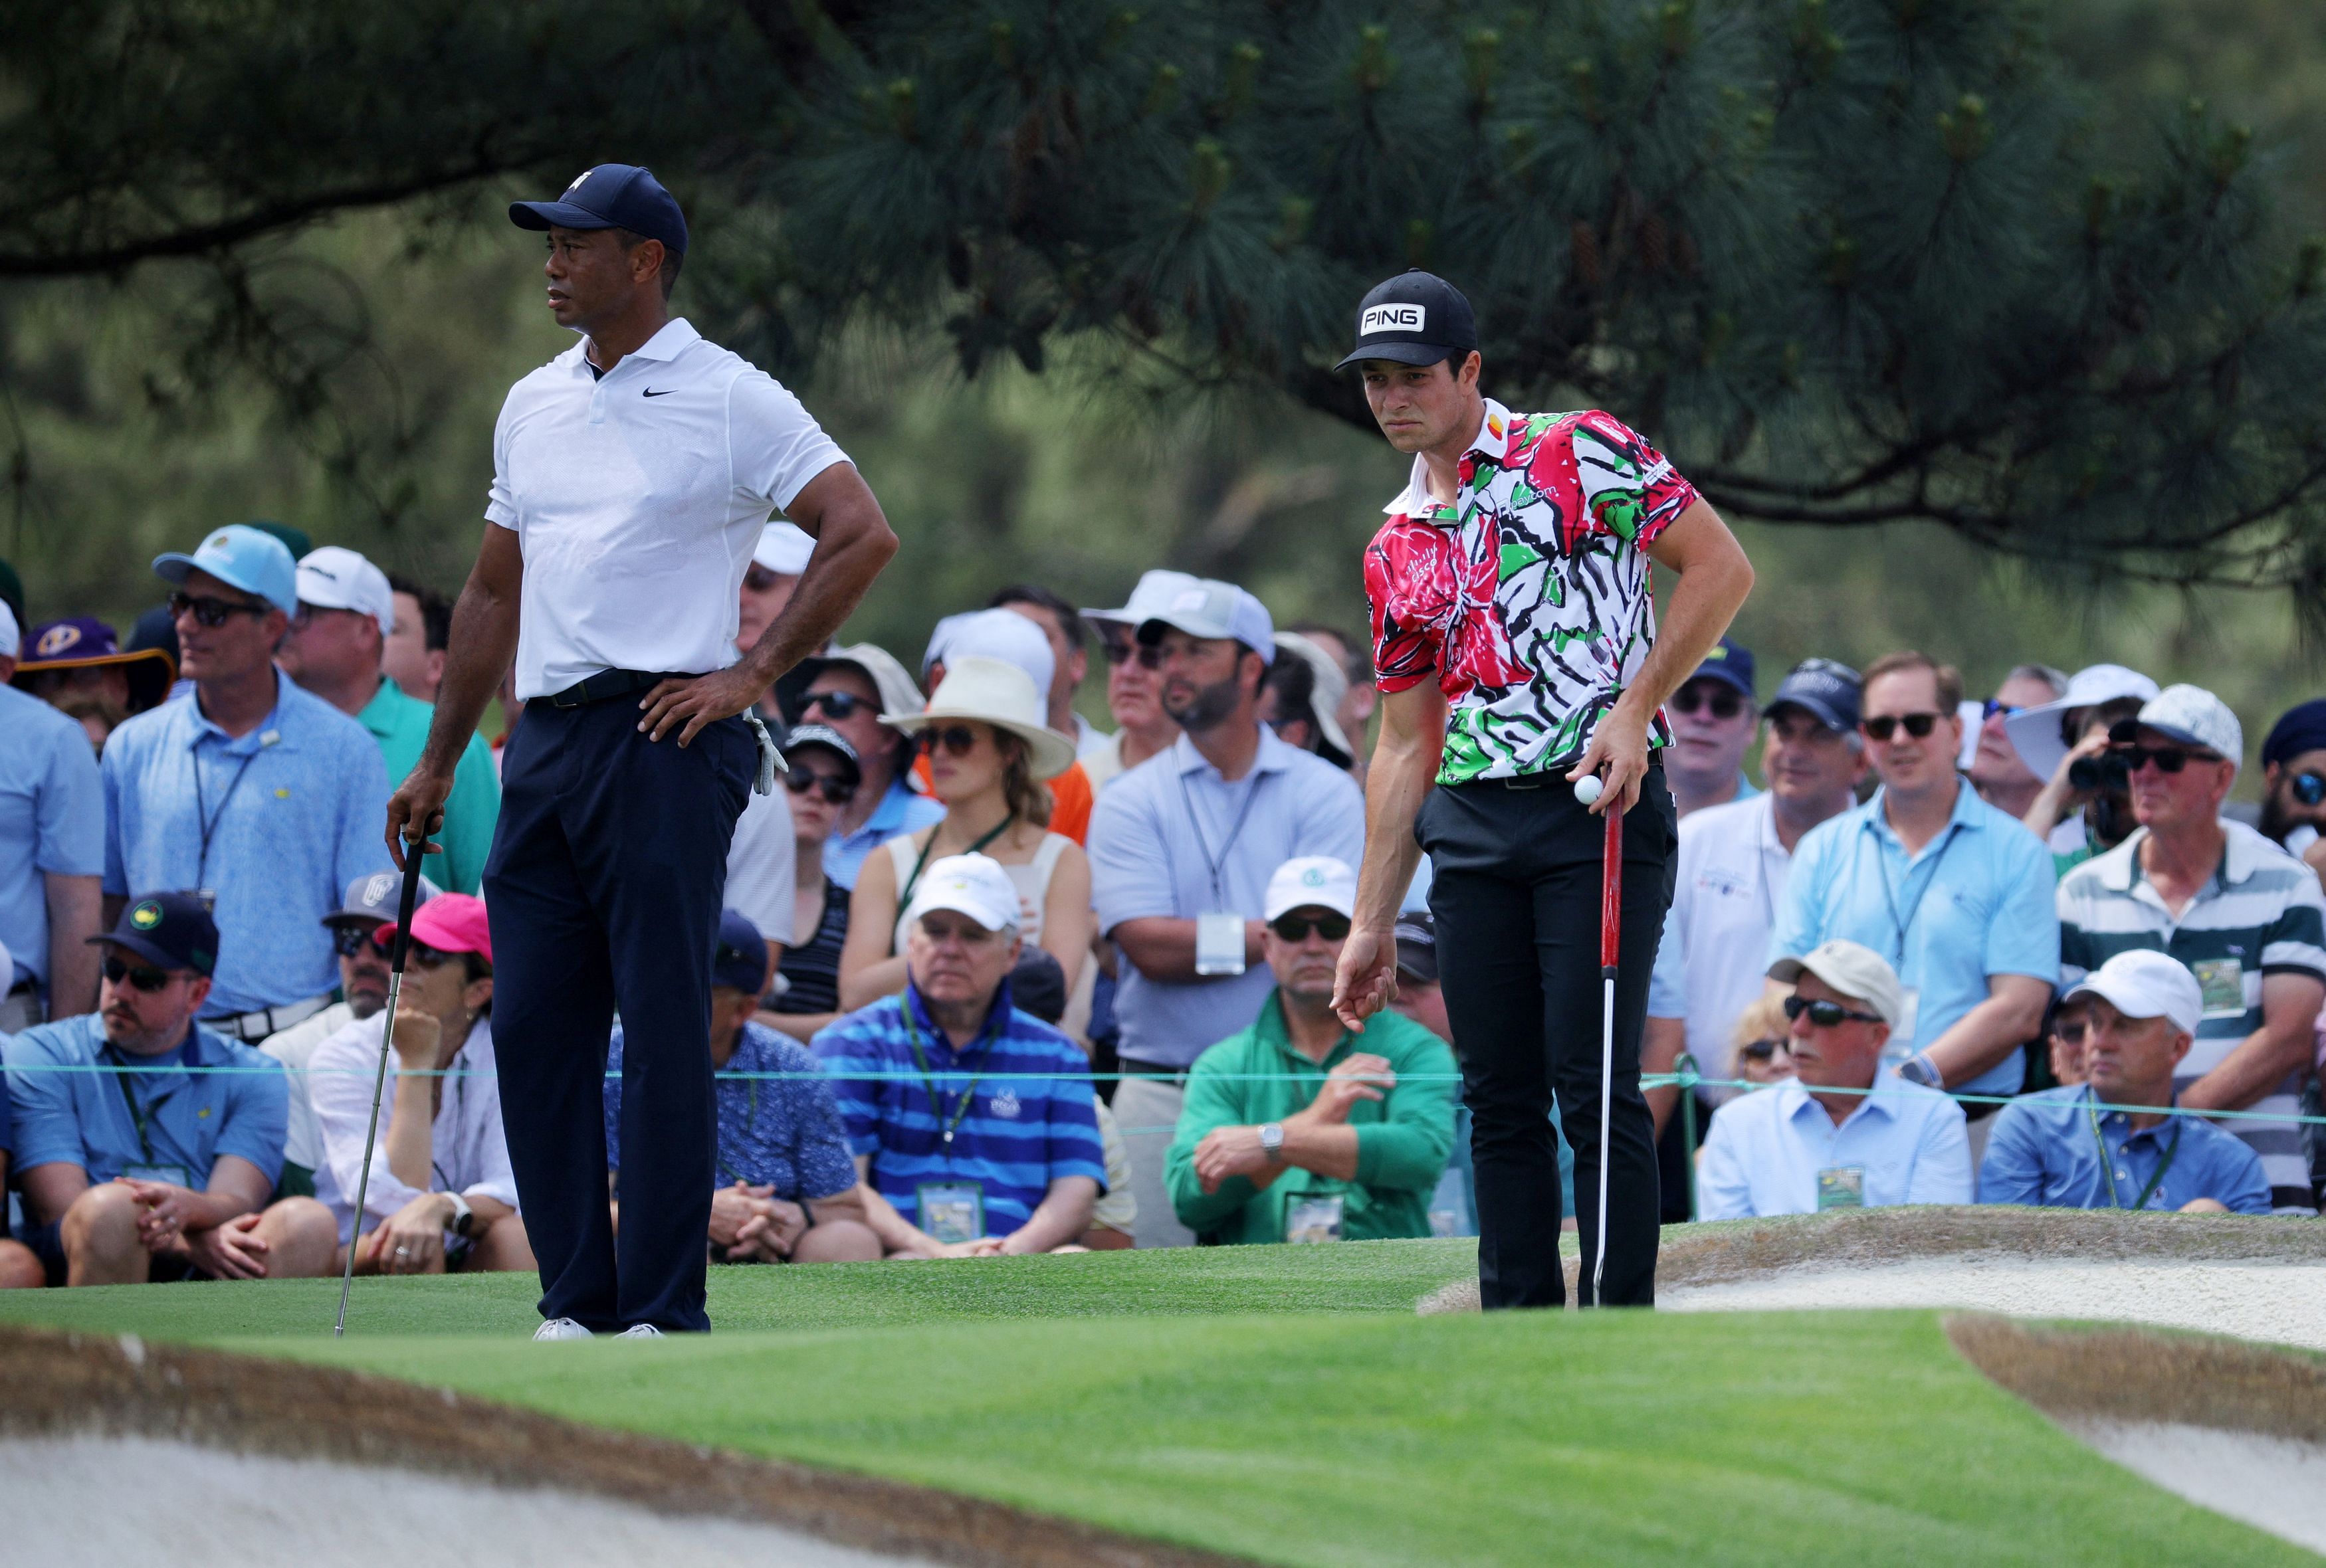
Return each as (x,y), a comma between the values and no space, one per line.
(1181,852)
(2294,781)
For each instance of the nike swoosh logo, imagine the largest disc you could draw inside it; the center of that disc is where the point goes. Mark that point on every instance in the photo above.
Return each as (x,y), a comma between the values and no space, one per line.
(665,392)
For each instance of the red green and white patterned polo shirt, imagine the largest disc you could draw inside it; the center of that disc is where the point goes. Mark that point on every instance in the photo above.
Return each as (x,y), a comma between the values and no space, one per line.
(1528,598)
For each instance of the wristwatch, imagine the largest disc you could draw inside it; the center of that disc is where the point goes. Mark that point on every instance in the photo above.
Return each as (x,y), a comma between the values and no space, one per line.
(1271,1139)
(462,1215)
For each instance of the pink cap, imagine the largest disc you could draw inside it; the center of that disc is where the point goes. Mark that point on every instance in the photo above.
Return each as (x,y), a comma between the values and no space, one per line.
(450,923)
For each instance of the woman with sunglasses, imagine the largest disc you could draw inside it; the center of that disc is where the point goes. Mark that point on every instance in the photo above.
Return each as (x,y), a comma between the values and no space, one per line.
(824,778)
(989,750)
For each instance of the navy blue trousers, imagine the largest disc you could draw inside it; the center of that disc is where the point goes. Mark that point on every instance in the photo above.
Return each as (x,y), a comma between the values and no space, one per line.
(604,886)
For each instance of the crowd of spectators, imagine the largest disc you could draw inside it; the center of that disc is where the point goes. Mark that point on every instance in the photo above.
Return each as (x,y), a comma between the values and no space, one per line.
(994,978)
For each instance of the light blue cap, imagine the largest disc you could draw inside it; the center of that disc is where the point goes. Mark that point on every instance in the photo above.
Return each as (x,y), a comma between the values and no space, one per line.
(1204,607)
(245,557)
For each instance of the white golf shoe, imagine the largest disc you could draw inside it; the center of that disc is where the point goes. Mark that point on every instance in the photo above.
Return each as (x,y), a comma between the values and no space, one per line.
(560,1329)
(638,1332)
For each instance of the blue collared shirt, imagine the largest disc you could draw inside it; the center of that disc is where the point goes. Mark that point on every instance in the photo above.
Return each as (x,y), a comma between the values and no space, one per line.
(1977,902)
(2045,1151)
(80,1118)
(306,818)
(901,811)
(52,820)
(1030,1119)
(780,1132)
(1764,1149)
(1154,838)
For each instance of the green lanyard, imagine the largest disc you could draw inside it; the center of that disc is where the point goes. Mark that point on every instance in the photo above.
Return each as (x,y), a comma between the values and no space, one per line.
(929,1076)
(2107,1162)
(140,1117)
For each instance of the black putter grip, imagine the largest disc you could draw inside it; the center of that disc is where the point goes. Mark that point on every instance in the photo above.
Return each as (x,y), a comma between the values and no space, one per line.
(412,855)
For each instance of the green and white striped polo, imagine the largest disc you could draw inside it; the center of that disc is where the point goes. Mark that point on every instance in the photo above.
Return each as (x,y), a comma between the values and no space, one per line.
(2262,914)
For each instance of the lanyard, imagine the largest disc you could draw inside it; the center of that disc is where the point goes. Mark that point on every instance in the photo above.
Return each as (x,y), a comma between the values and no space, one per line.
(141,1117)
(208,823)
(928,1077)
(904,894)
(1212,866)
(2107,1162)
(1890,893)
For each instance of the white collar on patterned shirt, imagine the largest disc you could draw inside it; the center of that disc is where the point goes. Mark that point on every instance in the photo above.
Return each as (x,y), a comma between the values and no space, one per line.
(1493,438)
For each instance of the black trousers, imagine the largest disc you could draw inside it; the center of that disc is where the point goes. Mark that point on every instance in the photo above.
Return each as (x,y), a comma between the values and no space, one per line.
(604,886)
(1515,896)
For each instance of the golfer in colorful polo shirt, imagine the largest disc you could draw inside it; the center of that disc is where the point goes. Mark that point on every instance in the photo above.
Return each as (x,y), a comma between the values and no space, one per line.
(1516,648)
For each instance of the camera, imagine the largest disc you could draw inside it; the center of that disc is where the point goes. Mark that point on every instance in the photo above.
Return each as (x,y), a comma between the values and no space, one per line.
(2104,772)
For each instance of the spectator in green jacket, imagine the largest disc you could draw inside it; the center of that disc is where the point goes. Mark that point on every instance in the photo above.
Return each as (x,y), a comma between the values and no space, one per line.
(1290,1132)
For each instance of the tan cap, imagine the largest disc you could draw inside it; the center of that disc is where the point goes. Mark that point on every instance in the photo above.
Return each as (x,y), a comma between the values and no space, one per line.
(1856,971)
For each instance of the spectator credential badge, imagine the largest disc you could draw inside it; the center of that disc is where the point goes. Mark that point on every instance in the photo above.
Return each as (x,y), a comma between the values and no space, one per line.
(952,1212)
(1841,1187)
(1315,1218)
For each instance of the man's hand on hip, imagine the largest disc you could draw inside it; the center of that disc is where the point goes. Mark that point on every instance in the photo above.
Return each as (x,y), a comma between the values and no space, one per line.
(417,810)
(695,700)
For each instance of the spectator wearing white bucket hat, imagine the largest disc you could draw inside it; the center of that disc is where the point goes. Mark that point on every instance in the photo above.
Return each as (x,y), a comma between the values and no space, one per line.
(1300,699)
(989,752)
(2078,813)
(2086,1146)
(1845,1133)
(2246,918)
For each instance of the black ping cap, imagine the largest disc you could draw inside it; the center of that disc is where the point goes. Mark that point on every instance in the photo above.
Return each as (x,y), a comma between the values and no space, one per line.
(1416,317)
(1827,690)
(610,196)
(170,929)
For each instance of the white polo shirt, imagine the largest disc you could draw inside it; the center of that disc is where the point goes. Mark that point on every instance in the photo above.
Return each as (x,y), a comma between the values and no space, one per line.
(637,498)
(1715,955)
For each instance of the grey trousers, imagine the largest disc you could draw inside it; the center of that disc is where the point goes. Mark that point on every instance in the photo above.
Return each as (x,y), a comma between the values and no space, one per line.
(1148,1111)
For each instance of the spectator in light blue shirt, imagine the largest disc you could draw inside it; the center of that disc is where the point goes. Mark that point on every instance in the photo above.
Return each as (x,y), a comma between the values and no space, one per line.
(1957,897)
(2066,1148)
(851,689)
(51,852)
(248,787)
(1844,1134)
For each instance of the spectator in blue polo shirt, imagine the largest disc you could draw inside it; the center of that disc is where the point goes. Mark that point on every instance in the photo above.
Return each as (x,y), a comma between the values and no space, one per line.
(786,1190)
(973,1123)
(20,1268)
(2077,1147)
(1954,894)
(51,851)
(263,797)
(135,1168)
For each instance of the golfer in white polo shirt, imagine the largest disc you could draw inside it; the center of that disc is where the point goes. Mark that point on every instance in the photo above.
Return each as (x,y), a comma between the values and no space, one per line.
(633,475)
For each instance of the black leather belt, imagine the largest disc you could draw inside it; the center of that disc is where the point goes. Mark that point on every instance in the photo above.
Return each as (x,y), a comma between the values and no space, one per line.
(605,684)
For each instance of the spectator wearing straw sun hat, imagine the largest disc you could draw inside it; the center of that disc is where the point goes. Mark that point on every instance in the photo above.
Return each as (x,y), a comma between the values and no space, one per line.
(1016,639)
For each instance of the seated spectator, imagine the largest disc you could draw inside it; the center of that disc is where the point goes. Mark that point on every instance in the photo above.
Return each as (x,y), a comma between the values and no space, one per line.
(973,1124)
(413,657)
(1290,1131)
(2069,1032)
(1713,717)
(851,689)
(1419,996)
(77,667)
(51,855)
(442,1197)
(1997,772)
(2080,1146)
(1764,1043)
(1842,1134)
(2081,811)
(20,1266)
(159,1173)
(823,778)
(355,927)
(1016,638)
(1038,986)
(1300,698)
(787,1191)
(988,751)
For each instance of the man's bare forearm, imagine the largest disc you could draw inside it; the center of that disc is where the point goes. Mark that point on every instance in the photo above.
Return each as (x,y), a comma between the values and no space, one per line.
(2263,1059)
(483,643)
(1403,769)
(74,902)
(853,542)
(1715,579)
(1062,1216)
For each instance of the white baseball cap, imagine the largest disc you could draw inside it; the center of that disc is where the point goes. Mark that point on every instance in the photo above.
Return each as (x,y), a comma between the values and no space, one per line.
(993,633)
(333,577)
(1332,685)
(12,635)
(784,547)
(2034,732)
(972,885)
(1201,607)
(2195,717)
(1852,968)
(1153,591)
(2143,983)
(1311,879)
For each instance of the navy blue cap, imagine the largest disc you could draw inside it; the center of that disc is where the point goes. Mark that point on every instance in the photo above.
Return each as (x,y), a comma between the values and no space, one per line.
(1416,317)
(170,929)
(610,196)
(1827,690)
(1038,986)
(741,959)
(1730,662)
(2302,727)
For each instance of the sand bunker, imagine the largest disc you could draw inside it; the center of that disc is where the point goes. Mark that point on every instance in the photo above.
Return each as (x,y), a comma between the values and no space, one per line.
(2272,1483)
(301,1512)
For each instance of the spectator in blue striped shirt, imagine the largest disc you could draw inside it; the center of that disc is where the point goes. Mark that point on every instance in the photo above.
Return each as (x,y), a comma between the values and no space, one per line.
(973,1123)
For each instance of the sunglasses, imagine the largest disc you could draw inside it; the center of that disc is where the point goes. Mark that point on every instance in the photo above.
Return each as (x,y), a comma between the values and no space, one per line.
(1296,928)
(2070,1031)
(212,611)
(428,958)
(144,976)
(1118,650)
(1918,725)
(959,739)
(353,941)
(1825,1015)
(1993,706)
(2167,758)
(837,791)
(2309,788)
(1724,701)
(838,705)
(1760,1050)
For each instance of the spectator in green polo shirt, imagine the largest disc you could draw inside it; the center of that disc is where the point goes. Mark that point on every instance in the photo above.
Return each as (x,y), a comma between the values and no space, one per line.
(1290,1131)
(346,611)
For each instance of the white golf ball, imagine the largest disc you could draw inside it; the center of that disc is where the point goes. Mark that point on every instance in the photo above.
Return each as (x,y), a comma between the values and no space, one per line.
(1588,788)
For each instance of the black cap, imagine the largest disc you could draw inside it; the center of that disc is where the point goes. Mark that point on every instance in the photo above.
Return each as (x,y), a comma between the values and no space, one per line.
(610,196)
(1416,317)
(1039,986)
(804,736)
(170,929)
(1416,945)
(1826,689)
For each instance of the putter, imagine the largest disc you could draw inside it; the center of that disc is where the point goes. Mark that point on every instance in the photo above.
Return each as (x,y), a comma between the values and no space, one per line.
(414,853)
(1610,927)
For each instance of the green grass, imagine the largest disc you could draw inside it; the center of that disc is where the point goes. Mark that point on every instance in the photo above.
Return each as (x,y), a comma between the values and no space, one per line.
(1360,1435)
